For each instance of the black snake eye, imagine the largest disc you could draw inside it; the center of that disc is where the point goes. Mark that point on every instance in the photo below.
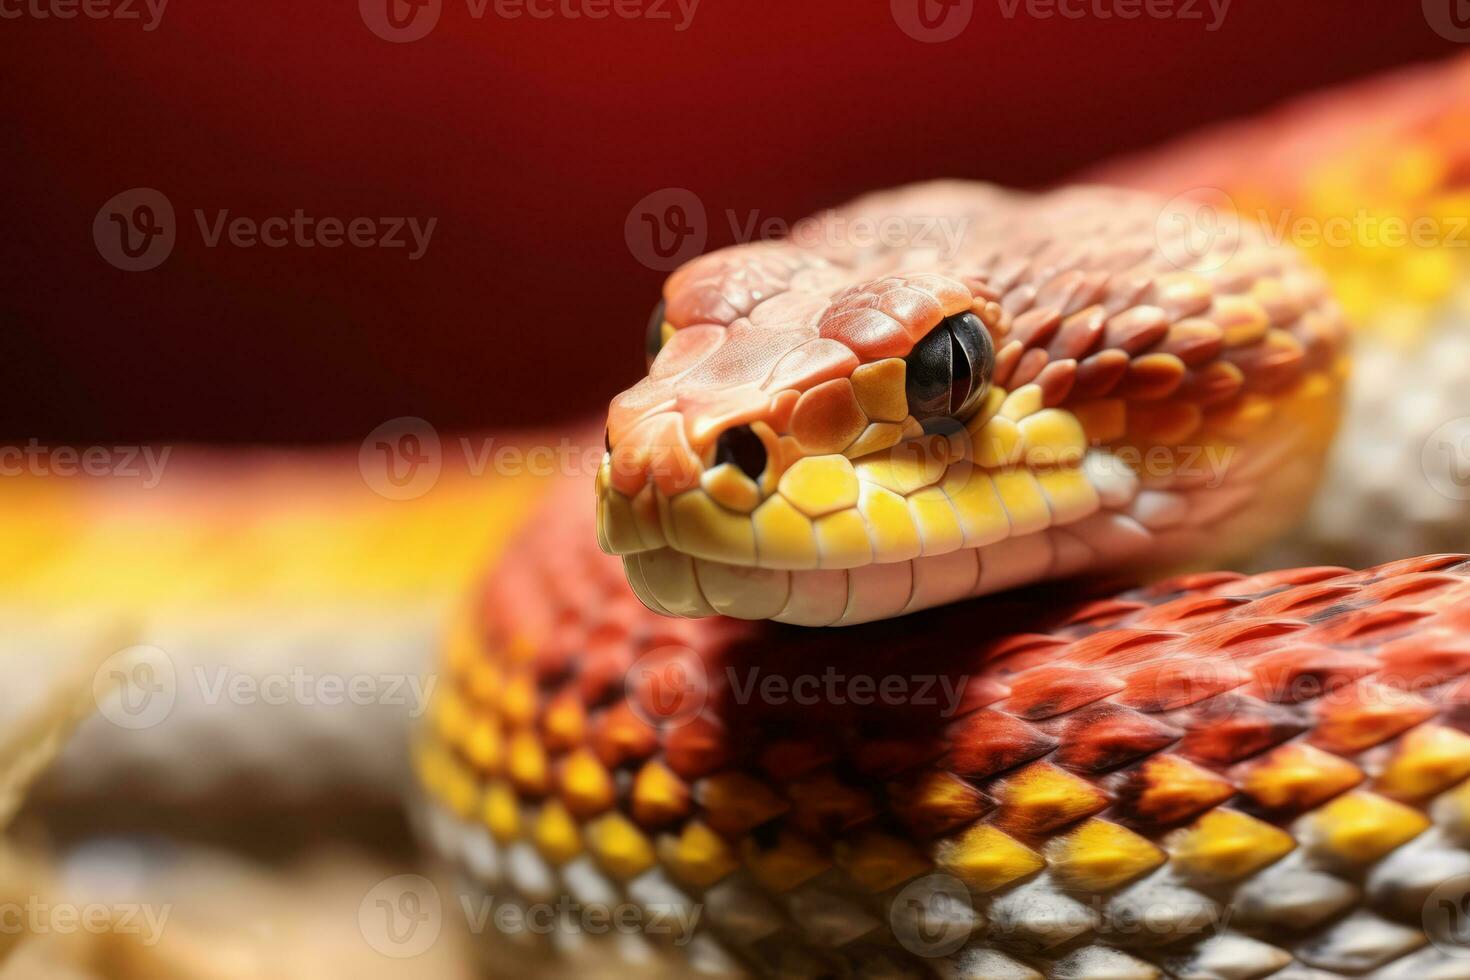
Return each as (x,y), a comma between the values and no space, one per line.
(653,339)
(744,448)
(949,370)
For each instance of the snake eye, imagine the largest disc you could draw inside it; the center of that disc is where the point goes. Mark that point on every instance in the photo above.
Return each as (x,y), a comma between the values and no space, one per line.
(744,448)
(653,339)
(949,370)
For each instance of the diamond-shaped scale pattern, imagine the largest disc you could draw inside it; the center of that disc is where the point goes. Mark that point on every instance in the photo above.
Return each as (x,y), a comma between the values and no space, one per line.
(1211,776)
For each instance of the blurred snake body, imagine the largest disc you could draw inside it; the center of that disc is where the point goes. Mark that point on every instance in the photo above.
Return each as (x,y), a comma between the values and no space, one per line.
(1211,776)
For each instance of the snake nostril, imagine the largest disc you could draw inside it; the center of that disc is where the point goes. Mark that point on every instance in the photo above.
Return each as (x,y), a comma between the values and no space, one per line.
(744,448)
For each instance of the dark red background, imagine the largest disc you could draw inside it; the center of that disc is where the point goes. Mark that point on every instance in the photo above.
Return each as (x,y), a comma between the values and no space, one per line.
(530,141)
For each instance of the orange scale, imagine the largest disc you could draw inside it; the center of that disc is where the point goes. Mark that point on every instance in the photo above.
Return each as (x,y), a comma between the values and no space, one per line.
(932,803)
(1179,683)
(1304,671)
(1105,736)
(823,805)
(1028,367)
(697,747)
(988,742)
(1006,358)
(1168,789)
(1049,691)
(979,692)
(1365,714)
(1424,586)
(1124,646)
(1409,566)
(1426,657)
(619,736)
(1243,636)
(685,350)
(1364,623)
(1021,643)
(1267,581)
(564,722)
(1105,612)
(1232,727)
(1178,612)
(1099,374)
(1301,602)
(1198,582)
(870,334)
(1035,329)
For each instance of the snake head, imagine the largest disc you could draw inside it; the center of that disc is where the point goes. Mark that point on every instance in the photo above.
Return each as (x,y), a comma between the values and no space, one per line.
(830,436)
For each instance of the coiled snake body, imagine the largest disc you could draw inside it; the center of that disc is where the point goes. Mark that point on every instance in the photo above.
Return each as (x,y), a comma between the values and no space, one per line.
(1213,776)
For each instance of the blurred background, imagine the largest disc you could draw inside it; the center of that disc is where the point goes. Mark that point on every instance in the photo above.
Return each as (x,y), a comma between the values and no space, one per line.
(247,246)
(529,142)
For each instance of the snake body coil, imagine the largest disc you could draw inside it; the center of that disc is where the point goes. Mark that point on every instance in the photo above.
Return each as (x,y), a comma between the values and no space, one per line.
(1214,776)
